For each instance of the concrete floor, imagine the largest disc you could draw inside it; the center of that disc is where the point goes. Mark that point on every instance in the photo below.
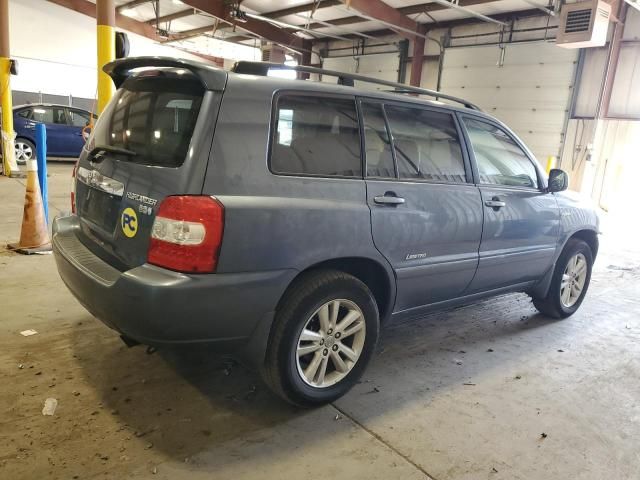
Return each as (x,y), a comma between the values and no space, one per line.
(493,390)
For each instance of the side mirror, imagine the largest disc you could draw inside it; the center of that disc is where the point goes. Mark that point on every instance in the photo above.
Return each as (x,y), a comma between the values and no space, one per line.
(558,180)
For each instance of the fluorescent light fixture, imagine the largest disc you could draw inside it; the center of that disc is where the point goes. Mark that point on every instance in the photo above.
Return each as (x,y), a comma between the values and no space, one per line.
(178,2)
(39,110)
(128,12)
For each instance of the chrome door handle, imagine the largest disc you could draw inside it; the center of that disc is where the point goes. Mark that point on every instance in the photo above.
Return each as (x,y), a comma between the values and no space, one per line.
(388,198)
(495,203)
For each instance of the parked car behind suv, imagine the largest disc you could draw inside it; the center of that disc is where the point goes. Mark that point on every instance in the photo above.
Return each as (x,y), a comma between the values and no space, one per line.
(286,220)
(64,129)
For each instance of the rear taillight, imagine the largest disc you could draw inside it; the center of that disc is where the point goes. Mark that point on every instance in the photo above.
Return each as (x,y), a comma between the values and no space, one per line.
(73,187)
(187,234)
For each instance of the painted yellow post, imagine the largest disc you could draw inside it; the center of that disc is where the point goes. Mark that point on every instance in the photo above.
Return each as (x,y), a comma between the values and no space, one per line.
(106,19)
(7,133)
(551,162)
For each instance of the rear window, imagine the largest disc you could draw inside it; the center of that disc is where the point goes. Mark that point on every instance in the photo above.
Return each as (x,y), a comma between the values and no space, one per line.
(154,116)
(316,136)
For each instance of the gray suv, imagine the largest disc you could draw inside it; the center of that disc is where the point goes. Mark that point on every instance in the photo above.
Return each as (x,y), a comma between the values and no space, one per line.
(284,221)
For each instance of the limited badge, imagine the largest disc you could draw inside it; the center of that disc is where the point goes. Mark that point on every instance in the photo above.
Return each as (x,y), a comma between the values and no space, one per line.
(129,222)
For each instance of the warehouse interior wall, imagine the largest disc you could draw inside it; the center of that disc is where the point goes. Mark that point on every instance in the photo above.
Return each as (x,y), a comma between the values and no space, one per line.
(600,155)
(56,52)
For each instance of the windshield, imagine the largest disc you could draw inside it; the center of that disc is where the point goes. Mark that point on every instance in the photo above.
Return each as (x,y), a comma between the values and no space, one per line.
(154,116)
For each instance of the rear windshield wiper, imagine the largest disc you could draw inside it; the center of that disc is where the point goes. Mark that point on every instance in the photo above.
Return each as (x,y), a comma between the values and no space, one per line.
(107,148)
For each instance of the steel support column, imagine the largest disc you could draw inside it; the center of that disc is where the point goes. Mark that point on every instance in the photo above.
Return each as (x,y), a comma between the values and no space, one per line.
(418,56)
(8,148)
(305,57)
(106,20)
(612,61)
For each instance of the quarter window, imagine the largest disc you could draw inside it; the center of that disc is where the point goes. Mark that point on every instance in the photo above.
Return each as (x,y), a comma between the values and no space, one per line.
(426,144)
(316,136)
(500,159)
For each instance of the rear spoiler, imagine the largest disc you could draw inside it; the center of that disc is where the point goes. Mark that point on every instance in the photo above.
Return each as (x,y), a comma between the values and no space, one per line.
(212,78)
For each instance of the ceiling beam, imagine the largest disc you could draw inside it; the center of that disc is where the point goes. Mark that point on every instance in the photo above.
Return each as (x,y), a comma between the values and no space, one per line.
(378,10)
(172,16)
(301,8)
(131,4)
(468,11)
(195,32)
(267,31)
(410,10)
(504,17)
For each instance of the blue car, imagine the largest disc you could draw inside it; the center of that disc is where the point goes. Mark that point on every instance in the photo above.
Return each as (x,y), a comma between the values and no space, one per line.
(64,129)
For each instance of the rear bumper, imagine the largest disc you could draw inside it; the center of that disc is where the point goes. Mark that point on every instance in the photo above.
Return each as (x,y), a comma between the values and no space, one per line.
(157,306)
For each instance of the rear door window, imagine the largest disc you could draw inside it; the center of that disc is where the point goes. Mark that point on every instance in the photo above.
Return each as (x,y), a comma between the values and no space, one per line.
(316,135)
(153,116)
(427,145)
(377,141)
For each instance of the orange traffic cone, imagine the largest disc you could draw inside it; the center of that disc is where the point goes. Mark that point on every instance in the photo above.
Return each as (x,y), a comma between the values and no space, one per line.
(34,236)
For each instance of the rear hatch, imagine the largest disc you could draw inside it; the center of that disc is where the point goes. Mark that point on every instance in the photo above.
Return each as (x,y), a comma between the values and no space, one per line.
(153,140)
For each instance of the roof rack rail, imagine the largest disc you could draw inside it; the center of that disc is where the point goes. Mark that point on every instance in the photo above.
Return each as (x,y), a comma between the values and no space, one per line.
(347,79)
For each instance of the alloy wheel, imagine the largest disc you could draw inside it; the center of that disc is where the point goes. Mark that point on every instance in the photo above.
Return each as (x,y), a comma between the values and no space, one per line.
(23,151)
(330,343)
(573,280)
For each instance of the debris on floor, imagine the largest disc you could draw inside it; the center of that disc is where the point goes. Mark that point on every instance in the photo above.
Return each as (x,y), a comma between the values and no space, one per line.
(50,405)
(28,333)
(251,394)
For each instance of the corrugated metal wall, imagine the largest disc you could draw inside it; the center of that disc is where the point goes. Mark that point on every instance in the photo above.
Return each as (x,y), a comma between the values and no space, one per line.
(529,90)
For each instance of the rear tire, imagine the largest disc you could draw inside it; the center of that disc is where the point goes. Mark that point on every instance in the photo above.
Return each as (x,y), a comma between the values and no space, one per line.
(570,281)
(334,317)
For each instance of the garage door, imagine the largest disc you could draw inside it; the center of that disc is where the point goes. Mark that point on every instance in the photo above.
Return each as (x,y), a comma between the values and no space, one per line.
(382,65)
(530,91)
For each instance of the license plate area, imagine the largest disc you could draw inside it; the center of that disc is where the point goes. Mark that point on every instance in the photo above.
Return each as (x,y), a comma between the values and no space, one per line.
(100,208)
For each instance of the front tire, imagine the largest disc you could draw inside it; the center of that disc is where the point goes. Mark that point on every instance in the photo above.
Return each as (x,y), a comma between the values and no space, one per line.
(24,150)
(324,334)
(570,281)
